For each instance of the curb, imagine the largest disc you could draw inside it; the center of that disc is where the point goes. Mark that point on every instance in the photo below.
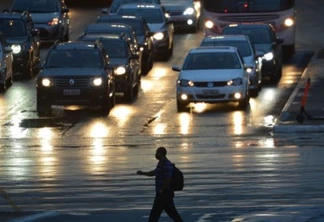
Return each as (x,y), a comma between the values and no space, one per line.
(34,217)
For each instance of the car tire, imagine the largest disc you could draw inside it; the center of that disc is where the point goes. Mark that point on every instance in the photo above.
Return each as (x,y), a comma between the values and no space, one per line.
(10,80)
(276,77)
(105,107)
(244,103)
(182,107)
(254,92)
(29,72)
(66,36)
(129,94)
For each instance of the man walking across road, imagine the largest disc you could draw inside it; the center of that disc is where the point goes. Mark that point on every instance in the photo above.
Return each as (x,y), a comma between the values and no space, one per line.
(164,193)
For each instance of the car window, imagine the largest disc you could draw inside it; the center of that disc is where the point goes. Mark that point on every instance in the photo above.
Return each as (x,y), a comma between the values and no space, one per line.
(256,35)
(12,28)
(211,60)
(74,58)
(242,46)
(151,15)
(115,49)
(35,6)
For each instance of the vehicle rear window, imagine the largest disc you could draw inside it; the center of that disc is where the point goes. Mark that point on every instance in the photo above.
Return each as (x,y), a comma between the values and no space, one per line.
(35,6)
(242,46)
(74,58)
(115,49)
(260,35)
(136,25)
(212,60)
(151,15)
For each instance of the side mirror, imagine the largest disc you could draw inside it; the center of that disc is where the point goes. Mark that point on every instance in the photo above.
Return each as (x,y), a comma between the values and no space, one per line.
(35,32)
(176,68)
(65,10)
(280,41)
(7,49)
(105,11)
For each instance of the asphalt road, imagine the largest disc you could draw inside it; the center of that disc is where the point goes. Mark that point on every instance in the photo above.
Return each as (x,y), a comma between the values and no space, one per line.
(77,163)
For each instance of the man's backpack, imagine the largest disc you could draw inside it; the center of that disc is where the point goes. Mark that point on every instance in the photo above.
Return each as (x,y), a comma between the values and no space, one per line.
(177,181)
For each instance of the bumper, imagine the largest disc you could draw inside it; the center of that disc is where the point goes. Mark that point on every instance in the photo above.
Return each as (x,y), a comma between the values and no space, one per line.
(208,95)
(71,96)
(268,68)
(20,62)
(184,22)
(122,83)
(161,46)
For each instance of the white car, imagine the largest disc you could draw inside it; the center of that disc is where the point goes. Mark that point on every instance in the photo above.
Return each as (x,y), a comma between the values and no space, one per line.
(250,56)
(213,75)
(6,57)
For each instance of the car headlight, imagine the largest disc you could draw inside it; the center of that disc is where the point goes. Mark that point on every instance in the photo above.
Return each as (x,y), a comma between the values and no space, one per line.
(289,22)
(189,11)
(209,24)
(54,21)
(185,83)
(16,49)
(97,81)
(268,56)
(158,36)
(235,82)
(47,82)
(120,70)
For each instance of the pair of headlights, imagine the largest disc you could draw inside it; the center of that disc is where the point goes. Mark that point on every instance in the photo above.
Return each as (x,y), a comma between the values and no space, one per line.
(48,82)
(190,83)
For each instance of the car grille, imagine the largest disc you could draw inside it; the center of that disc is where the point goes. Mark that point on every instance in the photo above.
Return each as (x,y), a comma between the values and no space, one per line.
(175,13)
(219,96)
(249,18)
(65,82)
(206,84)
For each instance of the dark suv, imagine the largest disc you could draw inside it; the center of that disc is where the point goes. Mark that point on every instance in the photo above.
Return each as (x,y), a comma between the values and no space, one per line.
(143,33)
(125,63)
(51,17)
(20,33)
(76,73)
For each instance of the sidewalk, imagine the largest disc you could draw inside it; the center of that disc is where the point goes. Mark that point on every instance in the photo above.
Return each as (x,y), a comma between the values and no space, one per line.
(313,119)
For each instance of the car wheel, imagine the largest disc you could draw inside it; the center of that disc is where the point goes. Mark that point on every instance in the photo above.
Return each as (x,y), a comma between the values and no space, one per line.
(105,107)
(145,68)
(254,92)
(3,87)
(182,107)
(67,36)
(9,81)
(244,103)
(29,73)
(129,94)
(276,77)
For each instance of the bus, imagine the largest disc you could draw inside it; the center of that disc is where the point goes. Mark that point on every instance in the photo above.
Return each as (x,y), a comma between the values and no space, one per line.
(280,14)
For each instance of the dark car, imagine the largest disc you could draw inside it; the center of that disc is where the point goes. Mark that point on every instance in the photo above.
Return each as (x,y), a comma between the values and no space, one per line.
(76,73)
(125,63)
(264,40)
(6,58)
(20,33)
(50,17)
(185,14)
(143,33)
(117,3)
(159,23)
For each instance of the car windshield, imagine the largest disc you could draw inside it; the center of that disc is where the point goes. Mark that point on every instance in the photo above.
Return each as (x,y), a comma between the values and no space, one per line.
(117,3)
(242,46)
(74,58)
(115,49)
(256,35)
(12,28)
(212,60)
(151,15)
(35,6)
(136,24)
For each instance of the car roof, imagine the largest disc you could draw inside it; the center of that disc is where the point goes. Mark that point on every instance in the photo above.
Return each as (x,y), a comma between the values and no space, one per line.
(13,15)
(202,49)
(139,5)
(74,45)
(108,26)
(97,36)
(248,25)
(226,37)
(120,17)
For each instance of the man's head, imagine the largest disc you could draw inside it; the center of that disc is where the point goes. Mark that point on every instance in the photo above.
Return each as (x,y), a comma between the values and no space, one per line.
(160,153)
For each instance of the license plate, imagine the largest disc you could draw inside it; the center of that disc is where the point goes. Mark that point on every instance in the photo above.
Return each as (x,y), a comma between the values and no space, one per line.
(210,92)
(71,92)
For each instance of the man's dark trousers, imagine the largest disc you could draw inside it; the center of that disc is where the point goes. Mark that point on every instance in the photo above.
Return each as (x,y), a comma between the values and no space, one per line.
(164,201)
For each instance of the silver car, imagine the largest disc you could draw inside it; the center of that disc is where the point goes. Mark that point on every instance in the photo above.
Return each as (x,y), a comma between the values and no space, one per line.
(252,58)
(212,75)
(6,58)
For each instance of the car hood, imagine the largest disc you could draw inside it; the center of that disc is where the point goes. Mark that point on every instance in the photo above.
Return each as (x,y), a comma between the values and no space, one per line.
(156,27)
(249,60)
(44,17)
(16,40)
(117,61)
(140,39)
(210,75)
(267,47)
(80,71)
